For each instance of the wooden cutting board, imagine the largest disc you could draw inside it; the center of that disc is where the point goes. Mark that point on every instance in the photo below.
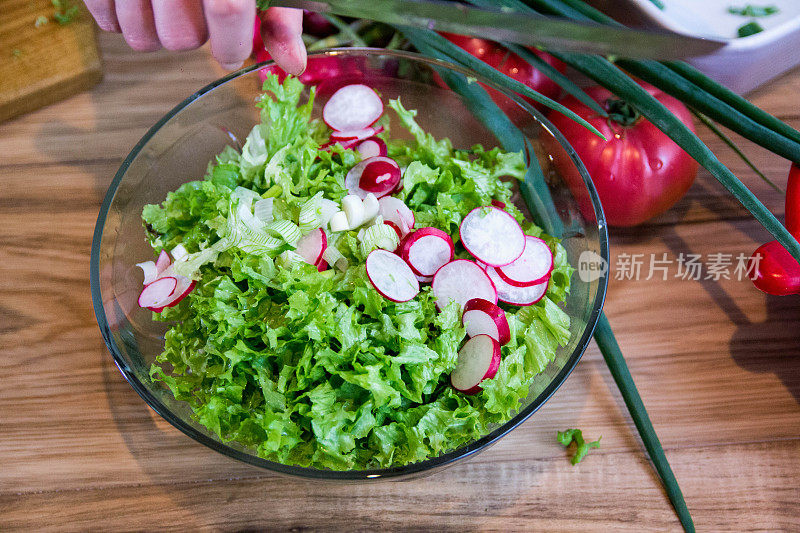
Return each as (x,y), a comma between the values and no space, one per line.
(42,65)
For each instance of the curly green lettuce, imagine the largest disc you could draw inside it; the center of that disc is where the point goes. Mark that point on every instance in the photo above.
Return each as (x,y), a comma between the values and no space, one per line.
(317,369)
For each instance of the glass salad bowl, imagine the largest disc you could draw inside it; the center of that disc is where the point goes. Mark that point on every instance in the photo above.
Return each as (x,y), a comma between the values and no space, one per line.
(179,147)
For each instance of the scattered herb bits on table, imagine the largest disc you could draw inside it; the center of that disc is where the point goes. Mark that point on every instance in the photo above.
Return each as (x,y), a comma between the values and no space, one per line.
(326,307)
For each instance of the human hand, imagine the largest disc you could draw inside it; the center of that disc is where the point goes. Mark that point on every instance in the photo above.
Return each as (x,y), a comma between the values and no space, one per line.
(147,25)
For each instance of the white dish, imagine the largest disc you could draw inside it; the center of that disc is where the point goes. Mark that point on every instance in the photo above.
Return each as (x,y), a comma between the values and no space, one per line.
(744,63)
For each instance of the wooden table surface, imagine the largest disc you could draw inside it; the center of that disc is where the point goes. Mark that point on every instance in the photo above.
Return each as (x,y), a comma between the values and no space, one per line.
(717,364)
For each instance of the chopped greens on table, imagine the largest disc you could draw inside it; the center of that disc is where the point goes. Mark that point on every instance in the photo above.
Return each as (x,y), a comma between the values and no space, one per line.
(568,436)
(340,299)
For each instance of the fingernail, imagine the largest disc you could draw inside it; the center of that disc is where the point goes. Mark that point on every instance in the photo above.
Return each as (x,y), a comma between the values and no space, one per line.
(232,66)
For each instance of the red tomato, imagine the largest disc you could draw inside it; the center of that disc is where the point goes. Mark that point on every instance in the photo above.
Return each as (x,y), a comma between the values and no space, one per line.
(510,64)
(639,172)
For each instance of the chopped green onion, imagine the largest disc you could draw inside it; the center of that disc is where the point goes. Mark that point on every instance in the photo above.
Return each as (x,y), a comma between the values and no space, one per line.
(285,229)
(751,28)
(335,258)
(754,11)
(732,145)
(378,236)
(310,214)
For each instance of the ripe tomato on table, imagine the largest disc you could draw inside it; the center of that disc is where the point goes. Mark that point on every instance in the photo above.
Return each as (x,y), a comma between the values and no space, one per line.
(512,65)
(638,171)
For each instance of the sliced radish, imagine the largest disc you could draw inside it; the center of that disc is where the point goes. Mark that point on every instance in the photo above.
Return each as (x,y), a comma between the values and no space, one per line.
(396,229)
(427,250)
(478,360)
(462,280)
(391,276)
(352,179)
(372,147)
(182,289)
(343,144)
(516,295)
(162,262)
(424,279)
(379,179)
(150,270)
(395,211)
(492,236)
(158,293)
(532,267)
(356,135)
(482,317)
(379,175)
(322,266)
(312,245)
(352,107)
(499,204)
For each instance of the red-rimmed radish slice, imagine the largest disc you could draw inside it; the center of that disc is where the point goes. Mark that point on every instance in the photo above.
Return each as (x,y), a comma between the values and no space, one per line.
(391,276)
(356,135)
(312,245)
(380,175)
(461,280)
(395,228)
(492,236)
(322,266)
(183,288)
(344,144)
(498,204)
(478,360)
(372,147)
(427,250)
(352,107)
(157,293)
(379,180)
(395,211)
(532,267)
(163,261)
(424,279)
(516,295)
(150,270)
(482,317)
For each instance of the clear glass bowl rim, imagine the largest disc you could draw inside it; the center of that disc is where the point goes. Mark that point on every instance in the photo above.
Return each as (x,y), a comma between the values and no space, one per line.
(418,468)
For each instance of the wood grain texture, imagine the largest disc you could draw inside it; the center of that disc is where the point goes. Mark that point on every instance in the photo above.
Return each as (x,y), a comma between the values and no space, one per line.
(45,62)
(717,364)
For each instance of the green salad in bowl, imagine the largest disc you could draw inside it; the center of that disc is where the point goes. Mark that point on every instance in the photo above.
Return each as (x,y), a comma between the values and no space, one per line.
(340,298)
(340,279)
